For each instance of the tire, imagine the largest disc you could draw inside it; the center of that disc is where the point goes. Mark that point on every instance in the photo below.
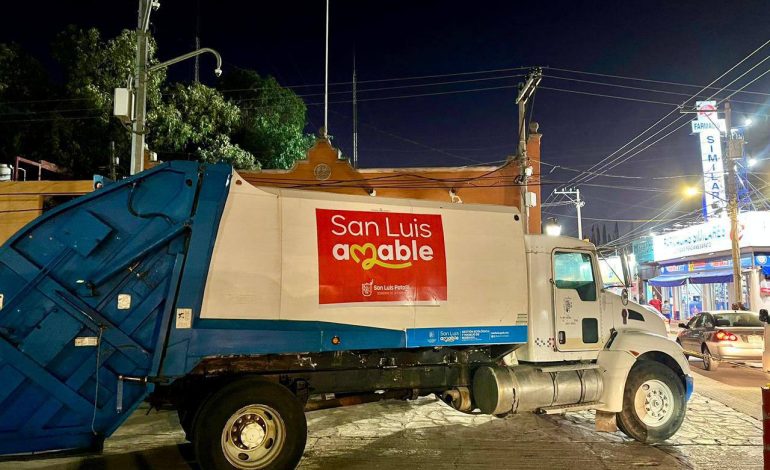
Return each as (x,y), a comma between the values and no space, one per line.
(652,385)
(250,424)
(186,420)
(709,362)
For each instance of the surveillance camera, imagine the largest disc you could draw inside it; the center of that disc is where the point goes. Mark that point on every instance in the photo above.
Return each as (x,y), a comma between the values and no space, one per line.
(218,72)
(155,5)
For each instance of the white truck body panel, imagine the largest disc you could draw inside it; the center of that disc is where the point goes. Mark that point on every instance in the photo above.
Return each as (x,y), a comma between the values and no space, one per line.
(265,262)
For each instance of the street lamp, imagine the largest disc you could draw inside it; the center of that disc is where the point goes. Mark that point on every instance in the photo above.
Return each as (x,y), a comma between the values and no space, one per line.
(552,227)
(691,191)
(747,122)
(139,89)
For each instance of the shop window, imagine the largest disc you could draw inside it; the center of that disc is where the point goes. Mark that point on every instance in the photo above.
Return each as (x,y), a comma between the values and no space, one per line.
(574,270)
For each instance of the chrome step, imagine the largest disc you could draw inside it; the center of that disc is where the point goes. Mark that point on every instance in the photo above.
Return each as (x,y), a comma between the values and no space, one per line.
(567,367)
(557,409)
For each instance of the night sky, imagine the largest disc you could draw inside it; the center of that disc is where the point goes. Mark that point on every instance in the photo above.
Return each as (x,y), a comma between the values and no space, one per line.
(683,42)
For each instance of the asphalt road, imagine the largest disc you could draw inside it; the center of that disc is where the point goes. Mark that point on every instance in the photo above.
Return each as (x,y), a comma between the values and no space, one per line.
(737,386)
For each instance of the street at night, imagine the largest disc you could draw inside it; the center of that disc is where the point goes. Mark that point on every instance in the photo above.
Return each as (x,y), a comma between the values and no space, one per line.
(426,433)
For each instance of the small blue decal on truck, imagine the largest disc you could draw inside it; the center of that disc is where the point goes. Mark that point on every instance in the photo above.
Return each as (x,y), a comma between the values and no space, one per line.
(466,335)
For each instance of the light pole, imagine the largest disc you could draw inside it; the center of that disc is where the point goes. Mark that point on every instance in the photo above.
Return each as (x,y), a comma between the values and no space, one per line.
(139,81)
(140,94)
(569,192)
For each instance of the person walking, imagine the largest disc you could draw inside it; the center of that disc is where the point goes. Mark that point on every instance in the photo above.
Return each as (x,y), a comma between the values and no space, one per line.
(655,302)
(666,309)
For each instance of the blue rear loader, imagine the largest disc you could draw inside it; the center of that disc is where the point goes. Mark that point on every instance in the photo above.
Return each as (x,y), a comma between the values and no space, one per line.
(73,362)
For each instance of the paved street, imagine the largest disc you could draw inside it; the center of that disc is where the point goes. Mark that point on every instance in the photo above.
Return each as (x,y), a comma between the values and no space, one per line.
(425,433)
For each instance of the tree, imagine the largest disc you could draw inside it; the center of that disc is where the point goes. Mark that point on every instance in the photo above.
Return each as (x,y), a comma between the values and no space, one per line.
(72,124)
(272,118)
(93,68)
(23,119)
(195,120)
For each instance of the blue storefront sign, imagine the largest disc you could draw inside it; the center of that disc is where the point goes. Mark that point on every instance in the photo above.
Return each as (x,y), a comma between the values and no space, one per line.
(643,251)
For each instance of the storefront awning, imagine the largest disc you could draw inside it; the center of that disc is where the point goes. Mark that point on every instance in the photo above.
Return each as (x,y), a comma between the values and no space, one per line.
(712,277)
(669,280)
(705,277)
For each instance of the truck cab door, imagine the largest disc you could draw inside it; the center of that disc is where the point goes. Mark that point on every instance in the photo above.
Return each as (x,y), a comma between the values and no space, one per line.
(576,300)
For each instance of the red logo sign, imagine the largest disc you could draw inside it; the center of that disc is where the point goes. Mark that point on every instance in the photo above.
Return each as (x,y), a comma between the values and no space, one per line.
(380,257)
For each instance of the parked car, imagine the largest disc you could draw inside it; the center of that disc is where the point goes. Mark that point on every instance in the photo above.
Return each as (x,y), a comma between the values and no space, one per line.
(662,317)
(724,335)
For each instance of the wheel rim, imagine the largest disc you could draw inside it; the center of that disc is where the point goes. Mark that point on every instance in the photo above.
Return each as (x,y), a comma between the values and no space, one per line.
(253,437)
(654,403)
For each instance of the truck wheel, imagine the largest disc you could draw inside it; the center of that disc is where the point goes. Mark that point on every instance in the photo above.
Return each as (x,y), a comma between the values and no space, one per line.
(186,420)
(250,424)
(653,403)
(710,363)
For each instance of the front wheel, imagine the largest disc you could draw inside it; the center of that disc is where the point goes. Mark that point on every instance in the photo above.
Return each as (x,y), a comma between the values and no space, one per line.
(654,403)
(250,424)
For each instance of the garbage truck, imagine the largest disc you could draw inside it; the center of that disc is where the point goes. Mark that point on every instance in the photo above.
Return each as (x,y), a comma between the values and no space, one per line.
(245,307)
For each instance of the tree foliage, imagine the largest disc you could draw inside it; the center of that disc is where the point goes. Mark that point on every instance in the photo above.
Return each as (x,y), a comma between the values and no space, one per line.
(197,120)
(72,122)
(23,81)
(272,118)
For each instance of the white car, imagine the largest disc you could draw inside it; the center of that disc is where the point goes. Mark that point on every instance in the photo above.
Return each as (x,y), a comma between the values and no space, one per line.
(662,317)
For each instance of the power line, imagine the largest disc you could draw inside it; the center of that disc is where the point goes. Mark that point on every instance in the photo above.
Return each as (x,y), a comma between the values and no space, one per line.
(651,90)
(602,95)
(663,82)
(391,79)
(744,86)
(398,87)
(609,160)
(59,118)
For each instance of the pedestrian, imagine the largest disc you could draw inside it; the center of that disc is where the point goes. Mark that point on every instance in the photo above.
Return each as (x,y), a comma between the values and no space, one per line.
(666,310)
(655,302)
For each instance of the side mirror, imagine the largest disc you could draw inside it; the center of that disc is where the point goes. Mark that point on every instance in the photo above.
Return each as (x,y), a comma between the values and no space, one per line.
(683,325)
(763,316)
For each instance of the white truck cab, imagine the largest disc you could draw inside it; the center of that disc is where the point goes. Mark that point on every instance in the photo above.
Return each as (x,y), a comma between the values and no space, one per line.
(588,348)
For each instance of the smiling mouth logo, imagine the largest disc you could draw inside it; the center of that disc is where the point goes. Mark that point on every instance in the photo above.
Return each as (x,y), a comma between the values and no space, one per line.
(373,260)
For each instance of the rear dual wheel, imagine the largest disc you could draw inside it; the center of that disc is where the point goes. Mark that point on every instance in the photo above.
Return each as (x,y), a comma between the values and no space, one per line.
(654,403)
(250,425)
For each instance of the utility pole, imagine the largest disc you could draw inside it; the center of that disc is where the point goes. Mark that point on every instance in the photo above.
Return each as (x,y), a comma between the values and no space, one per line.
(526,90)
(326,78)
(113,162)
(733,152)
(140,85)
(197,77)
(355,116)
(578,204)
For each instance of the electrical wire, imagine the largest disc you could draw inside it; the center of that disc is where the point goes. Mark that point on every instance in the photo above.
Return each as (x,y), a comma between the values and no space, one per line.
(391,79)
(399,87)
(604,162)
(662,82)
(651,90)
